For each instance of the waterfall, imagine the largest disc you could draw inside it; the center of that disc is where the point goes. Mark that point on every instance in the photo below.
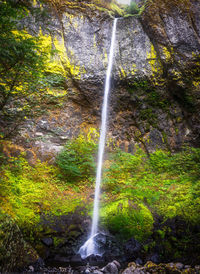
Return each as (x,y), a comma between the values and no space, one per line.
(89,246)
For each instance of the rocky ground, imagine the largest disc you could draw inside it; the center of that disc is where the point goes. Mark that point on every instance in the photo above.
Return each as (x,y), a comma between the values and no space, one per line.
(115,268)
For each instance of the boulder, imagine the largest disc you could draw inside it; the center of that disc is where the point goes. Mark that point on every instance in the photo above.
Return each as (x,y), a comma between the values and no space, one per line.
(112,268)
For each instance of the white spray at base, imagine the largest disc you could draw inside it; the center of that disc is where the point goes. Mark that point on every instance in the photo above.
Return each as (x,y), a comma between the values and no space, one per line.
(89,246)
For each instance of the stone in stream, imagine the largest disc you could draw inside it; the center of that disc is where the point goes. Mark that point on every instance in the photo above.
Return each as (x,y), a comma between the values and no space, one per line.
(112,268)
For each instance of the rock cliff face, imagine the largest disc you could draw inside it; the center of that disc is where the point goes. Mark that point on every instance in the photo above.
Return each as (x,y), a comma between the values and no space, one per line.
(156,76)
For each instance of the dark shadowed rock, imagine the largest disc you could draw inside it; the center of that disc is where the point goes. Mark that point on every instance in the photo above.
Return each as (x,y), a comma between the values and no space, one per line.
(132,249)
(139,261)
(155,258)
(47,241)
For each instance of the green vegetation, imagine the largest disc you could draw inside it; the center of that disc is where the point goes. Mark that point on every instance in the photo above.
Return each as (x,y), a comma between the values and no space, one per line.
(132,9)
(127,217)
(24,81)
(76,160)
(106,6)
(14,251)
(137,186)
(134,186)
(28,191)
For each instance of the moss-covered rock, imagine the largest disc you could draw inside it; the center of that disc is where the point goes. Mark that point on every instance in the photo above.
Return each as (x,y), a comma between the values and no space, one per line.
(15,253)
(127,218)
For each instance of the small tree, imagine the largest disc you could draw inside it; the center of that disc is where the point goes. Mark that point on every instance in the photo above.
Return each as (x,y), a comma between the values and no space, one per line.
(22,68)
(76,160)
(133,8)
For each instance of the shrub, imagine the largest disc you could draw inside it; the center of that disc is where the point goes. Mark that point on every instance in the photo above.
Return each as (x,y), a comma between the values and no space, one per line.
(165,183)
(28,192)
(76,161)
(132,9)
(186,161)
(128,217)
(122,166)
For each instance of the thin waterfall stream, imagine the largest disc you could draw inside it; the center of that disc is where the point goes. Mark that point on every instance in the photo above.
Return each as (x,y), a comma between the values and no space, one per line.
(89,246)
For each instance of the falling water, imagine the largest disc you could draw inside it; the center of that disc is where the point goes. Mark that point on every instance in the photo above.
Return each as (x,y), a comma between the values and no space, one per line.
(89,246)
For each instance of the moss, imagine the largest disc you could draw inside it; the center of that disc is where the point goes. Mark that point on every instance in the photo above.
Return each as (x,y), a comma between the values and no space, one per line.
(122,72)
(110,8)
(138,85)
(156,100)
(196,84)
(127,218)
(161,233)
(168,54)
(156,66)
(148,114)
(61,63)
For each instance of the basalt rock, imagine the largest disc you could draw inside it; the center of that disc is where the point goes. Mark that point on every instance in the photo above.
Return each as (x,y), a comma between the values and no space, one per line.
(61,236)
(155,84)
(151,267)
(132,249)
(171,235)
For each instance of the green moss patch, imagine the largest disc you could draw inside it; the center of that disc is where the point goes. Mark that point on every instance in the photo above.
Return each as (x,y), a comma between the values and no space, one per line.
(126,217)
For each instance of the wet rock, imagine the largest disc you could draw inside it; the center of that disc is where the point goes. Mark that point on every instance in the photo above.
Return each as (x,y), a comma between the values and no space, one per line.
(58,260)
(38,264)
(155,258)
(132,249)
(47,241)
(76,260)
(90,269)
(112,268)
(65,234)
(107,247)
(151,267)
(197,268)
(31,268)
(179,266)
(170,265)
(131,268)
(187,266)
(95,260)
(139,261)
